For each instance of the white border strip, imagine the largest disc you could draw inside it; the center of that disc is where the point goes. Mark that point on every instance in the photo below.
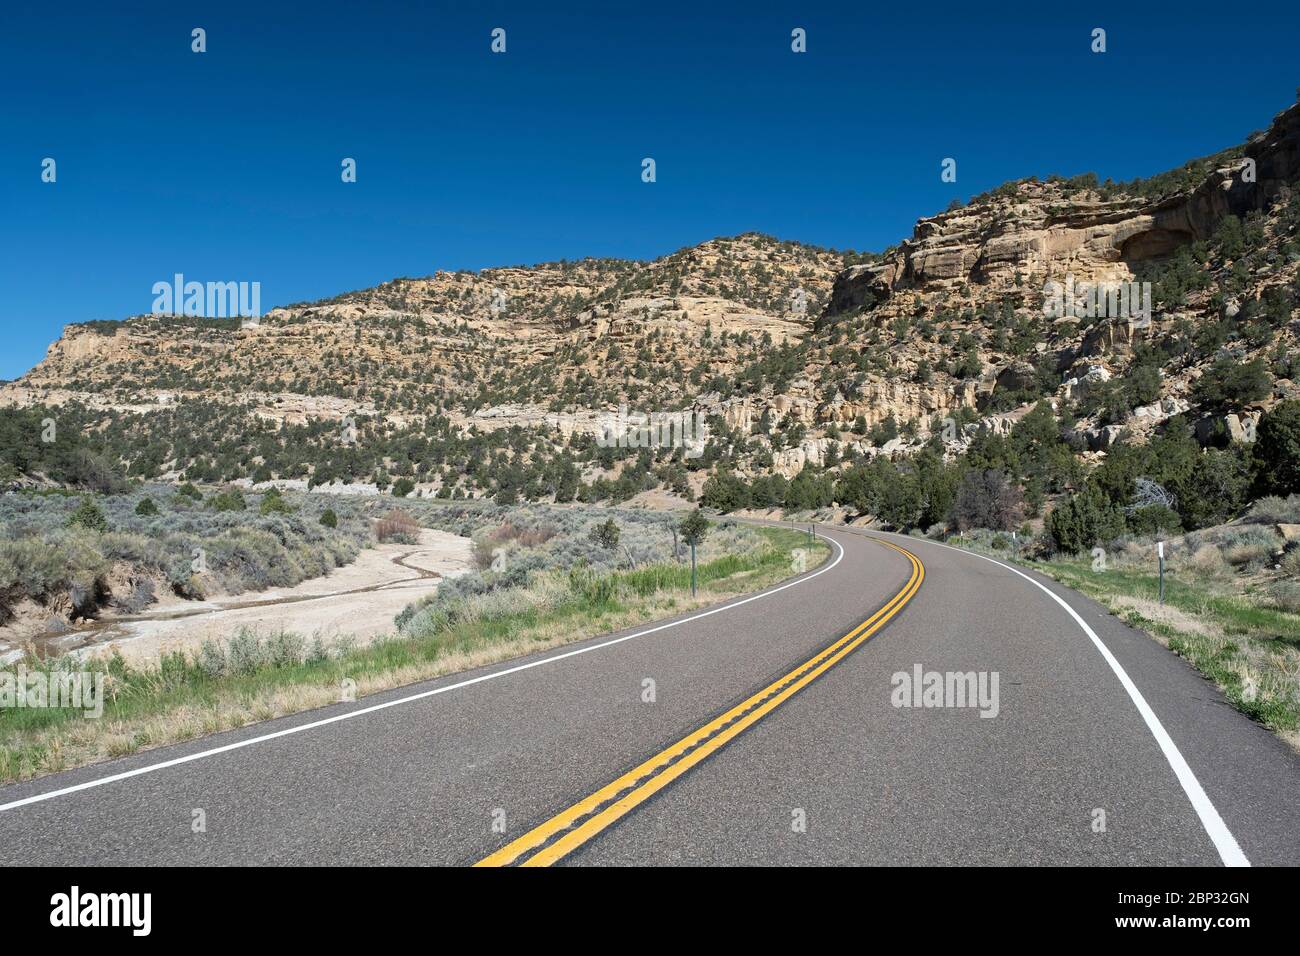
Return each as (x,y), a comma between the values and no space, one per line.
(163,765)
(1229,850)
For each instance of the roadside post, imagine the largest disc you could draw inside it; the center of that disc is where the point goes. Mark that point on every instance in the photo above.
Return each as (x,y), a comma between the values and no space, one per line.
(1160,553)
(692,569)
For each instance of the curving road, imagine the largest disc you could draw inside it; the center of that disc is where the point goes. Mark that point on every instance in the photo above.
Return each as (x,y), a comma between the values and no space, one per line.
(764,731)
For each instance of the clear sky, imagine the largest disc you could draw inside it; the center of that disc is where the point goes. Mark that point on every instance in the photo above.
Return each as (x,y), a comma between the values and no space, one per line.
(225,165)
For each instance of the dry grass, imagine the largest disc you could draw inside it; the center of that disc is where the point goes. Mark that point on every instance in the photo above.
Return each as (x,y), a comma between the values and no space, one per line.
(1208,561)
(1241,630)
(1164,614)
(1231,608)
(508,532)
(81,742)
(397,526)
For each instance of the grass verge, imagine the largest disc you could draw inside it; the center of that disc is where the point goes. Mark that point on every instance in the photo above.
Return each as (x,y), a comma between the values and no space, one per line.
(1223,624)
(1251,652)
(256,678)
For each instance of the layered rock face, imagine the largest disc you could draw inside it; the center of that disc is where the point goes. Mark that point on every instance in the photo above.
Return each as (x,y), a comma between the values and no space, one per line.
(1038,231)
(469,342)
(952,319)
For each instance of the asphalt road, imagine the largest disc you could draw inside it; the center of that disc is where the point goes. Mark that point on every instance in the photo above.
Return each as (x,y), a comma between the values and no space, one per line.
(764,741)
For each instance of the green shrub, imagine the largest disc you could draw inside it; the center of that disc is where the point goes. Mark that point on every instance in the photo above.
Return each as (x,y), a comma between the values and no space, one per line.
(273,503)
(1217,488)
(1228,383)
(693,527)
(230,500)
(1277,450)
(329,519)
(1153,518)
(88,515)
(188,490)
(725,492)
(146,508)
(1084,521)
(606,534)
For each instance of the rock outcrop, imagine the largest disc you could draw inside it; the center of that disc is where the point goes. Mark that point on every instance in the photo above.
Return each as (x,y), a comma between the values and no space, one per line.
(1039,230)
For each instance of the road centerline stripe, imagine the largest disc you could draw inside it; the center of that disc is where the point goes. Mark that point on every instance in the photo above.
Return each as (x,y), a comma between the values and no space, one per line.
(564,832)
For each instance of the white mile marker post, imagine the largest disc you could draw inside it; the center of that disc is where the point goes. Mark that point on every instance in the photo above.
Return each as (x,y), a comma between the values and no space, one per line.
(1160,554)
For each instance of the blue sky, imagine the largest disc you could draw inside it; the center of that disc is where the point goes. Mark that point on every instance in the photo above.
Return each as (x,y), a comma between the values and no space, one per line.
(225,165)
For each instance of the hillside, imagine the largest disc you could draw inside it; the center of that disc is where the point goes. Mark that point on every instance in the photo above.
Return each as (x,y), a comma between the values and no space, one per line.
(807,360)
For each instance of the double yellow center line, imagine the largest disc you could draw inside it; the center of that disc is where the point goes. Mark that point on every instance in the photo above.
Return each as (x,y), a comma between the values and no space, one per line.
(569,829)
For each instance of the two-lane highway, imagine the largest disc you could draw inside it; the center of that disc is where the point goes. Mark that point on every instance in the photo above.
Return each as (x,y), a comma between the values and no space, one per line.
(769,730)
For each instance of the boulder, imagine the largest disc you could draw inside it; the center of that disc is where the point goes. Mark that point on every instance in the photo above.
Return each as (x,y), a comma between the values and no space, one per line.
(1017,377)
(1235,427)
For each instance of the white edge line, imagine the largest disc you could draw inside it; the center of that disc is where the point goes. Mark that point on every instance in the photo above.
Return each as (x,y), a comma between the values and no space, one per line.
(212,752)
(1229,850)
